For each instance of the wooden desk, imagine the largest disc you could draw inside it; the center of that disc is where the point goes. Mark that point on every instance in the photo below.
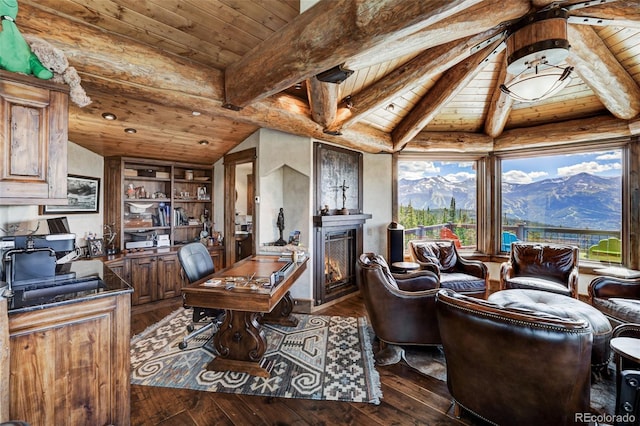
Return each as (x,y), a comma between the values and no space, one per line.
(240,342)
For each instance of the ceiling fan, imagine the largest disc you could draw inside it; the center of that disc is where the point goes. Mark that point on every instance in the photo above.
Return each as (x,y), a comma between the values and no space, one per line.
(536,46)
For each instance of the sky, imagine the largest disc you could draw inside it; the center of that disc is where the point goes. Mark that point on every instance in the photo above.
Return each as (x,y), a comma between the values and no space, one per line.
(527,170)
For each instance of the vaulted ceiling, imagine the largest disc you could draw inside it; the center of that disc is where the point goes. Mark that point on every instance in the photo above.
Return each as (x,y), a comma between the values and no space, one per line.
(424,76)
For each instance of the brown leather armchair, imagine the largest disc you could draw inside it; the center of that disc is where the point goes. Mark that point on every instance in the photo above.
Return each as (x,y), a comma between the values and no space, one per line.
(617,298)
(400,307)
(514,366)
(537,266)
(466,276)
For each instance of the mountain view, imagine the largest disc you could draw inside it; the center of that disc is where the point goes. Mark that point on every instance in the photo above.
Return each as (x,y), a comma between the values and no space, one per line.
(583,201)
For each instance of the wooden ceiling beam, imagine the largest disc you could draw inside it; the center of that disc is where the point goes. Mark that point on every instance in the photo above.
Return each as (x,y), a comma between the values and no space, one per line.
(414,73)
(323,101)
(602,72)
(499,106)
(461,142)
(622,13)
(147,74)
(445,89)
(562,133)
(324,36)
(488,15)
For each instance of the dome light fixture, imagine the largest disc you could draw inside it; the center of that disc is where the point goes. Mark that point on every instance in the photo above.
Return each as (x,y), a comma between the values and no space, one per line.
(535,50)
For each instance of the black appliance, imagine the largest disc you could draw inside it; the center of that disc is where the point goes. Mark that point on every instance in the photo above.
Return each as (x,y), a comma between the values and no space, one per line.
(28,259)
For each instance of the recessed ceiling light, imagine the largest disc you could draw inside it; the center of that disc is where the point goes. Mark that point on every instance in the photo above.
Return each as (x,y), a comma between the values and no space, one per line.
(195,113)
(109,116)
(204,142)
(130,130)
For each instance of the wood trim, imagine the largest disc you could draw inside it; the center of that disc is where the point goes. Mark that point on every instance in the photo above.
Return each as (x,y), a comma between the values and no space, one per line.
(230,162)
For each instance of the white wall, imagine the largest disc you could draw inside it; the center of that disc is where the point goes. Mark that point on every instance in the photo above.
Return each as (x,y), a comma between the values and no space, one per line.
(377,191)
(80,162)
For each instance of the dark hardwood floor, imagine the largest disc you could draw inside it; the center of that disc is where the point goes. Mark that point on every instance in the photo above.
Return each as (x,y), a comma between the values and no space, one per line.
(409,398)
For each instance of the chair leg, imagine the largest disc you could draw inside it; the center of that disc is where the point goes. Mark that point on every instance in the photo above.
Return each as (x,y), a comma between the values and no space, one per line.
(194,333)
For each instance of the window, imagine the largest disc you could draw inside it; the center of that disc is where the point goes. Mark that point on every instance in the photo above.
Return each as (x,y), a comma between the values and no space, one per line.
(572,197)
(437,199)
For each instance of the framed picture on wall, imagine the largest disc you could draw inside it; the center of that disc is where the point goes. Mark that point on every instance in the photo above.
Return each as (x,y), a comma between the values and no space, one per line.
(338,179)
(83,195)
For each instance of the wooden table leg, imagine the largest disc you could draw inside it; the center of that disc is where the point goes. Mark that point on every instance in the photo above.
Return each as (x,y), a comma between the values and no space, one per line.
(281,313)
(240,343)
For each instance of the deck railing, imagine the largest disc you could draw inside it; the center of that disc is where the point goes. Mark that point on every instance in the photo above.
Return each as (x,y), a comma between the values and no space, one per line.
(583,238)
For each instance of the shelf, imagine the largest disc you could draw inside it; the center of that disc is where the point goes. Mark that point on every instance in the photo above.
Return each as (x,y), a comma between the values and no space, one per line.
(169,186)
(147,179)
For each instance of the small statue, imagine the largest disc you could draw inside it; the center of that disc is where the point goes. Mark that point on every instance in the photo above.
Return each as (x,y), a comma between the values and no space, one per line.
(280,224)
(131,191)
(344,188)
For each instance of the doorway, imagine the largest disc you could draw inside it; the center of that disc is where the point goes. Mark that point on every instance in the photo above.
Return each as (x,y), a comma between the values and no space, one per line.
(239,205)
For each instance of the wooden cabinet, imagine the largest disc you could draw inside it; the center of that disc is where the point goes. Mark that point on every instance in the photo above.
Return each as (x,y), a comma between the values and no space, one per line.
(147,198)
(170,279)
(154,277)
(217,255)
(157,274)
(70,364)
(143,277)
(33,140)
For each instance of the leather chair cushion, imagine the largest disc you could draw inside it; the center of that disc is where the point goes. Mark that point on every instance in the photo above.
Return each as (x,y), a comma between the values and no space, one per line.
(425,253)
(624,310)
(462,283)
(565,307)
(379,260)
(534,283)
(438,252)
(536,260)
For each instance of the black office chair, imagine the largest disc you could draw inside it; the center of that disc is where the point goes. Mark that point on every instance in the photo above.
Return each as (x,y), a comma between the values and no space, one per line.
(196,263)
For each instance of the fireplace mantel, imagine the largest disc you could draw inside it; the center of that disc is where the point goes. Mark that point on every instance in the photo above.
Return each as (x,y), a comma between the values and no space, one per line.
(340,220)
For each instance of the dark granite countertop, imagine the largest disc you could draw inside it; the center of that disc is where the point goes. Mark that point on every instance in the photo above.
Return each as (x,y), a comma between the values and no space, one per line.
(87,279)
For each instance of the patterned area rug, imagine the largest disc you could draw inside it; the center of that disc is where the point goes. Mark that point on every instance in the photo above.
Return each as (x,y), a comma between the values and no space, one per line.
(323,358)
(430,360)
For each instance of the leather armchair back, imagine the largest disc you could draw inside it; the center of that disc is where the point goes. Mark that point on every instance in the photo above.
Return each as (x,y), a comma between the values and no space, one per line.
(399,316)
(514,366)
(552,261)
(549,267)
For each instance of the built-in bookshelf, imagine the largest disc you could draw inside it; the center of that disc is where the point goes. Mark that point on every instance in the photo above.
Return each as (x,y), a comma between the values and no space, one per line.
(166,203)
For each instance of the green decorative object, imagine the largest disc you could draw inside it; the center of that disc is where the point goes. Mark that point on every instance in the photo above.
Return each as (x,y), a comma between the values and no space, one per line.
(15,53)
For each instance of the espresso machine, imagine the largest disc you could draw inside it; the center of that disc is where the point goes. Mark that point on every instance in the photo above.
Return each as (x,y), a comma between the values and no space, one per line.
(33,259)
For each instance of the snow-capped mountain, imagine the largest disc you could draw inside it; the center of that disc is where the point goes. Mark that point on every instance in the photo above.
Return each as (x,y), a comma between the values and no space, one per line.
(578,201)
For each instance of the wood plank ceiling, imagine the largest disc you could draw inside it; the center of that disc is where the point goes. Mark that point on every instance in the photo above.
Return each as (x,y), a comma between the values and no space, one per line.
(184,71)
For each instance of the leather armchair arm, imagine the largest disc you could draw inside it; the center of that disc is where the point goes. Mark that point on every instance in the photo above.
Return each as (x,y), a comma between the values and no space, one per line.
(572,284)
(417,281)
(627,330)
(472,267)
(614,287)
(506,271)
(429,266)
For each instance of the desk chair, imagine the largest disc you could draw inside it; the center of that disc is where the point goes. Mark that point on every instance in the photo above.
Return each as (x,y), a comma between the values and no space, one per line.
(197,264)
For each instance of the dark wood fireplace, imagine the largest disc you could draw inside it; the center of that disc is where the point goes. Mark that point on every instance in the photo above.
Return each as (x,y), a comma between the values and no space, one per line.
(338,243)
